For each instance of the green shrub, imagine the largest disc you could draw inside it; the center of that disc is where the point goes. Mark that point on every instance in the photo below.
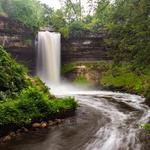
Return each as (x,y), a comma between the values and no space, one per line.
(23,99)
(122,77)
(67,68)
(146,126)
(12,76)
(29,12)
(81,80)
(147,95)
(33,104)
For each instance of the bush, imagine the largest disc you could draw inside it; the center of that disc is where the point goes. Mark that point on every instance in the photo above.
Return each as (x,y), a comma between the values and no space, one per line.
(81,80)
(67,68)
(33,105)
(146,126)
(12,76)
(25,99)
(124,78)
(29,12)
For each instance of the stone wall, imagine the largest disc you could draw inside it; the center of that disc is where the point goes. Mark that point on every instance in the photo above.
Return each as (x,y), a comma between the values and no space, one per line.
(84,47)
(19,41)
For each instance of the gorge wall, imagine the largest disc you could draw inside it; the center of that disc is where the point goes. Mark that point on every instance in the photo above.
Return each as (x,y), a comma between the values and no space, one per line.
(86,46)
(19,41)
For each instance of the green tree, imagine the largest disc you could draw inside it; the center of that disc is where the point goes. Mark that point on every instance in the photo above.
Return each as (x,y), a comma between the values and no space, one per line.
(29,12)
(129,32)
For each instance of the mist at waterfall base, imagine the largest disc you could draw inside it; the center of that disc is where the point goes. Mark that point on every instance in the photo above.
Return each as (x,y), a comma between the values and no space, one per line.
(114,117)
(48,64)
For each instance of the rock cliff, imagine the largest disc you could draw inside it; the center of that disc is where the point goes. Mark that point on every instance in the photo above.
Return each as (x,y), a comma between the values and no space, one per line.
(84,47)
(19,41)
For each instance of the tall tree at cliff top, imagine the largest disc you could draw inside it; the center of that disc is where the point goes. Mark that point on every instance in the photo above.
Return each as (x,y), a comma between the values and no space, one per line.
(30,12)
(129,32)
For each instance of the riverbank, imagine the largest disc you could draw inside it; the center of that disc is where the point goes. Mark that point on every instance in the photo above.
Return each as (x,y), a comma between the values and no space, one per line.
(25,100)
(109,76)
(103,120)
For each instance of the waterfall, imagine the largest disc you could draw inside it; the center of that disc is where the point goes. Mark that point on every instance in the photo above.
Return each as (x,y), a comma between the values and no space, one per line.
(48,57)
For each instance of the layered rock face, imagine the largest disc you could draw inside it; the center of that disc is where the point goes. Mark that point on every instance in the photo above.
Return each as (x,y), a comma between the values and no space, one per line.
(85,47)
(19,41)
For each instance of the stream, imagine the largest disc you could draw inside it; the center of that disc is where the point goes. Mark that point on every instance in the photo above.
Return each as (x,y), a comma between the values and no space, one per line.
(103,121)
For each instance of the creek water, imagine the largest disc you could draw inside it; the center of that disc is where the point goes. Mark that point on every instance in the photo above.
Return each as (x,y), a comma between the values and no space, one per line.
(103,121)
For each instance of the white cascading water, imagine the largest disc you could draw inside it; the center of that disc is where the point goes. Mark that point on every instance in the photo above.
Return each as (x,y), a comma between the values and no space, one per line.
(48,57)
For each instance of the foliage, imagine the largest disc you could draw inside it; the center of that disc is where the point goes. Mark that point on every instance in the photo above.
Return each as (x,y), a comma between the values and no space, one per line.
(122,77)
(102,66)
(12,76)
(29,12)
(81,80)
(56,19)
(23,99)
(146,126)
(32,104)
(72,11)
(68,68)
(128,38)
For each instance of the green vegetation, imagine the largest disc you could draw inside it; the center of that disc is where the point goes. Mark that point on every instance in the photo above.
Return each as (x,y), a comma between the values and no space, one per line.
(121,77)
(81,80)
(128,37)
(33,104)
(12,76)
(29,12)
(67,68)
(24,99)
(146,126)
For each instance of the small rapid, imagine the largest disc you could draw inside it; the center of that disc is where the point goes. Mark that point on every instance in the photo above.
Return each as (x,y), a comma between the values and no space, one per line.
(125,113)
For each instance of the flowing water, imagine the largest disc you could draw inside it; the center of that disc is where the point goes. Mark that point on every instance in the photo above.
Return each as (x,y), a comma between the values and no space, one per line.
(103,121)
(48,57)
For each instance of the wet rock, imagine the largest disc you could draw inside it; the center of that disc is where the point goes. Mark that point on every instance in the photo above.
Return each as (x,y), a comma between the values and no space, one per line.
(36,125)
(58,121)
(44,125)
(12,134)
(50,123)
(25,129)
(18,131)
(7,138)
(40,125)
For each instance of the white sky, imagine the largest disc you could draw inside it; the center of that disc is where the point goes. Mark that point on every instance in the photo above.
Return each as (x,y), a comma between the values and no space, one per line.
(56,4)
(52,3)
